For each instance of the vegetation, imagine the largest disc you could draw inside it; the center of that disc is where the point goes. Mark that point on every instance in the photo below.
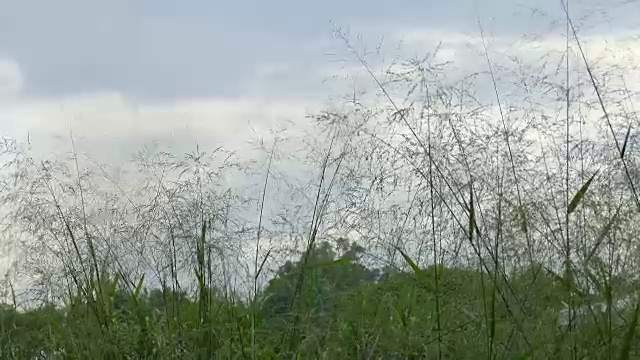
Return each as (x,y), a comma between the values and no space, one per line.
(344,310)
(425,221)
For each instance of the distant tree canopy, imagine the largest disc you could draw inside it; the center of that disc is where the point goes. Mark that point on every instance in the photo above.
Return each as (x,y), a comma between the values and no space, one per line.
(325,302)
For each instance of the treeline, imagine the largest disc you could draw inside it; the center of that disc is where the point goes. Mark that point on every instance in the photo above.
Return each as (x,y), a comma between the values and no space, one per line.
(325,305)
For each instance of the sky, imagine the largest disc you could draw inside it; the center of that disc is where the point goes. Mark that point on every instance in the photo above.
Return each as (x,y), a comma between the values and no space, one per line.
(120,73)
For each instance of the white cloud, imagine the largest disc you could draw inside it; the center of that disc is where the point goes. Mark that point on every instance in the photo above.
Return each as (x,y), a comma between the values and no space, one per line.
(618,48)
(11,79)
(104,124)
(113,118)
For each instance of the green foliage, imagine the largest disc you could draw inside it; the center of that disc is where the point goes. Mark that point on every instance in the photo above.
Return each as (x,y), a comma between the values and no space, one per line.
(344,310)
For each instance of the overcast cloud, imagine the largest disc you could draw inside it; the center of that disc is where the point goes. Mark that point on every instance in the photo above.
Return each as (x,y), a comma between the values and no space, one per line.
(122,73)
(128,71)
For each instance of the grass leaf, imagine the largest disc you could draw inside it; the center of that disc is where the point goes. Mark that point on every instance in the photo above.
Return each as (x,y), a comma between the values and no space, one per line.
(629,334)
(580,194)
(603,234)
(114,284)
(139,287)
(626,141)
(418,272)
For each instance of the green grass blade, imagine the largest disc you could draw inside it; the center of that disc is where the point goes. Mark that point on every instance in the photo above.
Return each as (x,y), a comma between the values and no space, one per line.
(629,334)
(626,141)
(264,260)
(603,234)
(114,285)
(472,215)
(418,272)
(139,287)
(580,194)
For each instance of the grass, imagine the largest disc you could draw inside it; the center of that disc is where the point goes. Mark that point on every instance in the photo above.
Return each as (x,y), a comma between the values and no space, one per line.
(431,228)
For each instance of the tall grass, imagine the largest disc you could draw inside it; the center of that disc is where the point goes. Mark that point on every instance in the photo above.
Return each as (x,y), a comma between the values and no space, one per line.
(463,226)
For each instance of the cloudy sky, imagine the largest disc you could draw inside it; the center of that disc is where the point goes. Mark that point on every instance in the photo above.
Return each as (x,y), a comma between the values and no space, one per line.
(121,72)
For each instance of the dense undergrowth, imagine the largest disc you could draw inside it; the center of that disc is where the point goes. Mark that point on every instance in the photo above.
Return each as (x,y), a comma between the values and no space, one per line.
(343,311)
